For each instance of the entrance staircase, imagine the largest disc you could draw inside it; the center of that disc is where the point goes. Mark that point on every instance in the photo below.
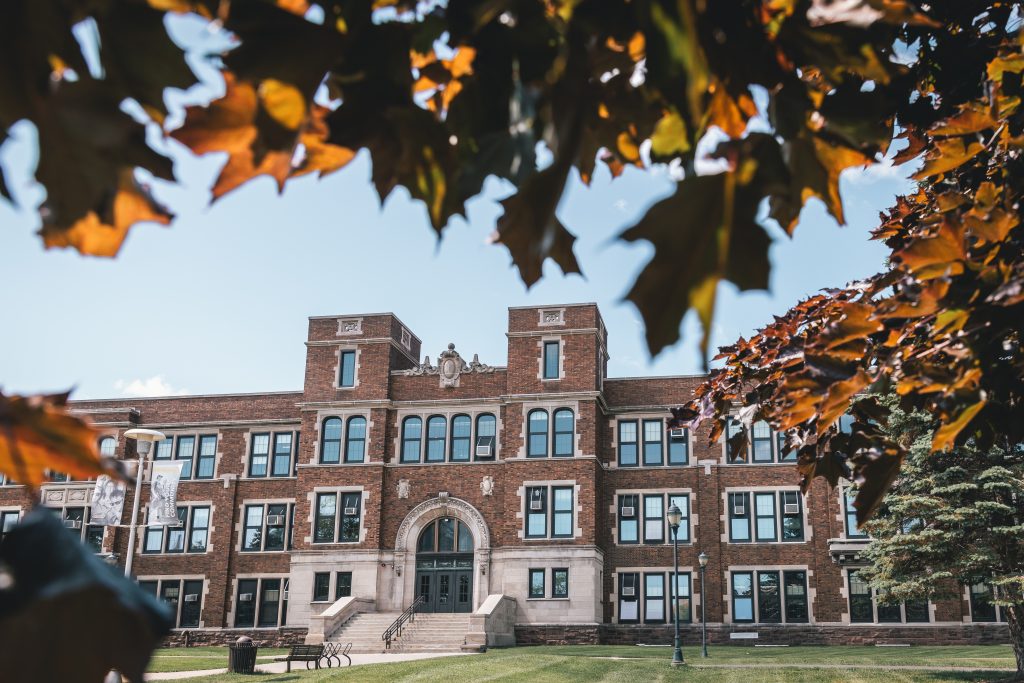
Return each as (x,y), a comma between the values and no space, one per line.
(428,633)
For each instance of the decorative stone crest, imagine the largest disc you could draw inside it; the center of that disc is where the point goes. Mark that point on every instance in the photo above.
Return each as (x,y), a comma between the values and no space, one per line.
(450,366)
(350,326)
(552,316)
(487,486)
(403,488)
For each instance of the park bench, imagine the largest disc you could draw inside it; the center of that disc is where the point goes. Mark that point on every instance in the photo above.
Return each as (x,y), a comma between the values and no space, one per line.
(313,654)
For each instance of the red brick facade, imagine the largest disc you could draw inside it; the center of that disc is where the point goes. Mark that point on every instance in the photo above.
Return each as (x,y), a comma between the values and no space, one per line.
(799,586)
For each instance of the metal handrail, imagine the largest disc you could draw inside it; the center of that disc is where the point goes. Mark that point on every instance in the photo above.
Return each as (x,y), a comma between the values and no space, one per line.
(395,630)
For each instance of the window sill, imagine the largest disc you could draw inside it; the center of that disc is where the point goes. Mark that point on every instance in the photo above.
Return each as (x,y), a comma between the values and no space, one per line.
(731,542)
(492,461)
(263,552)
(547,600)
(289,477)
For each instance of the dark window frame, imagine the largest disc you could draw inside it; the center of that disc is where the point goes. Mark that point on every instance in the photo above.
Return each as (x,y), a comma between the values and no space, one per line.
(344,365)
(556,432)
(634,443)
(490,440)
(432,440)
(634,499)
(349,441)
(552,353)
(555,592)
(531,591)
(455,441)
(328,423)
(658,426)
(531,433)
(407,440)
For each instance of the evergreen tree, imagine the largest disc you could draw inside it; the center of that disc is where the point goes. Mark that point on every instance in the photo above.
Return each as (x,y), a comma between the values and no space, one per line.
(953,518)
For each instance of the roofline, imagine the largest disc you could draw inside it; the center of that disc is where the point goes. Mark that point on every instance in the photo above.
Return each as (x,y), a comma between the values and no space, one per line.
(646,377)
(576,305)
(129,399)
(366,315)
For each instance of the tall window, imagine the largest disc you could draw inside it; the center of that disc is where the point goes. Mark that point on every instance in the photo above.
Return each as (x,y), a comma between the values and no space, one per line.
(330,440)
(108,446)
(776,515)
(334,523)
(537,512)
(537,583)
(627,443)
(342,585)
(982,609)
(198,455)
(652,442)
(732,429)
(654,519)
(537,436)
(739,517)
(355,439)
(437,435)
(654,598)
(185,452)
(265,527)
(683,598)
(629,597)
(184,597)
(347,370)
(785,454)
(551,360)
(629,518)
(678,446)
(852,530)
(260,455)
(761,442)
(282,466)
(261,603)
(8,518)
(486,432)
(561,523)
(742,597)
(681,501)
(764,512)
(565,433)
(462,428)
(191,537)
(560,583)
(412,436)
(321,586)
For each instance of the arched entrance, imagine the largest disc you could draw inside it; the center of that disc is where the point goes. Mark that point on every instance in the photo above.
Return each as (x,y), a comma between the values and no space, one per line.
(444,566)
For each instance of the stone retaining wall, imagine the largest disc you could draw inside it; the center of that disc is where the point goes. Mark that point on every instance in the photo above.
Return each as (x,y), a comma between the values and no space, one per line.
(282,637)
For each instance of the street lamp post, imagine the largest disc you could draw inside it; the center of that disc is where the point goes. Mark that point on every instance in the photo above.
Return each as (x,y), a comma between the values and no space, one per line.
(145,439)
(675,516)
(703,559)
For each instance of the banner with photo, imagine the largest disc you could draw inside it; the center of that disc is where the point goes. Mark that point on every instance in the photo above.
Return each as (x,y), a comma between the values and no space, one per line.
(163,494)
(107,501)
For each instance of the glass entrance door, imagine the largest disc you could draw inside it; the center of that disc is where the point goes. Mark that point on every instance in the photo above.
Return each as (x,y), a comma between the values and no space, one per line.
(444,567)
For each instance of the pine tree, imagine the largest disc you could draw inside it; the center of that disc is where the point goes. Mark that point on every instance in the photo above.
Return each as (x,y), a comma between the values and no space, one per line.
(953,518)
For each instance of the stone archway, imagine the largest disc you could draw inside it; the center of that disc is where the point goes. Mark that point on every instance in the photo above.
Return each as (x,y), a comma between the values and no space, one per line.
(418,519)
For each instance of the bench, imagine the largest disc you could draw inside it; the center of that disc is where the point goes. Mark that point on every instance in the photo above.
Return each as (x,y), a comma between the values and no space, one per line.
(313,654)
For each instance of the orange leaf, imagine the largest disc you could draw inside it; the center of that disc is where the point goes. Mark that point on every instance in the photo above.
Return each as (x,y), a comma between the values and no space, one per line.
(838,399)
(947,433)
(967,121)
(225,125)
(932,257)
(946,155)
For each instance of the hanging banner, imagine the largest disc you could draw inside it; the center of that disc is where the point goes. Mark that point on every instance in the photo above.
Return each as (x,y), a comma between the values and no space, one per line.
(107,501)
(163,504)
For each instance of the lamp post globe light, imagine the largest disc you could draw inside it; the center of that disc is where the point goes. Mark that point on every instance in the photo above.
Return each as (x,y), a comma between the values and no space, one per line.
(675,516)
(144,438)
(703,559)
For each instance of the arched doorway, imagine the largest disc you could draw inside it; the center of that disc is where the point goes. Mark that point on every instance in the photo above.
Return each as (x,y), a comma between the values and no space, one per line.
(444,566)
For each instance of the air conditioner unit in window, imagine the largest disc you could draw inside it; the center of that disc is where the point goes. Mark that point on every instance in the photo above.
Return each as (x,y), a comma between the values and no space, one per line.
(483,451)
(245,597)
(192,598)
(628,511)
(739,510)
(73,523)
(351,511)
(677,433)
(536,505)
(628,591)
(284,595)
(275,520)
(791,508)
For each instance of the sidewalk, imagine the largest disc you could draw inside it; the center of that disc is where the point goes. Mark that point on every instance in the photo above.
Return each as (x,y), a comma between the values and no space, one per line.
(280,667)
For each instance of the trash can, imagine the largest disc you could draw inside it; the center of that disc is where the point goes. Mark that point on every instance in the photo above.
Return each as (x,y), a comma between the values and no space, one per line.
(242,656)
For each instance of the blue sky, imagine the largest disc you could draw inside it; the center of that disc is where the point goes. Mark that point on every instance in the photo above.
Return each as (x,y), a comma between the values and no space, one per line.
(218,302)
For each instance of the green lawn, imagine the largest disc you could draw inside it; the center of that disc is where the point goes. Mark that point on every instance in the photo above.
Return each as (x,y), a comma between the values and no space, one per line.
(199,658)
(594,664)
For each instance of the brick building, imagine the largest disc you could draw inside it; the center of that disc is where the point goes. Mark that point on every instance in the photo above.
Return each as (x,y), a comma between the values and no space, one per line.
(387,478)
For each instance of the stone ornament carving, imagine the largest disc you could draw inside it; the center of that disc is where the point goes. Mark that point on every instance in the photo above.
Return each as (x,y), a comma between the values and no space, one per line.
(487,486)
(403,488)
(350,326)
(450,366)
(447,505)
(554,316)
(406,338)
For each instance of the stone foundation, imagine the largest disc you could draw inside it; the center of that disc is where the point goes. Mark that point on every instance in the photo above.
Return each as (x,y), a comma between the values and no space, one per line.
(282,637)
(718,634)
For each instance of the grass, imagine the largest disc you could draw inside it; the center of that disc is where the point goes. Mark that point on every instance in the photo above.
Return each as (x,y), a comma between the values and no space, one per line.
(200,658)
(595,664)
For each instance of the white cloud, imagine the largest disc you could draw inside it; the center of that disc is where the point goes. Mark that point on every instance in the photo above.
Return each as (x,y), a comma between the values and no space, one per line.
(153,386)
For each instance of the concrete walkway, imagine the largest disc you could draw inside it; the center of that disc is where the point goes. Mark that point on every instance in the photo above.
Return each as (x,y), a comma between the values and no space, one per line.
(280,667)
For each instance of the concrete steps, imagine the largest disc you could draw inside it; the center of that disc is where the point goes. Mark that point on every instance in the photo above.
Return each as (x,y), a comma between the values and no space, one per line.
(428,633)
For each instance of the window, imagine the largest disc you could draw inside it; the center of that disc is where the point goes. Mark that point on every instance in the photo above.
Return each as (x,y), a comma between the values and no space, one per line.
(559,583)
(282,466)
(742,597)
(565,432)
(342,585)
(982,609)
(780,597)
(654,519)
(76,520)
(108,446)
(682,501)
(654,598)
(776,516)
(330,440)
(629,518)
(6,481)
(654,591)
(462,427)
(866,606)
(260,455)
(761,442)
(265,527)
(537,583)
(184,448)
(208,456)
(537,434)
(334,524)
(191,537)
(561,506)
(486,430)
(852,530)
(355,439)
(321,586)
(764,446)
(627,443)
(794,584)
(732,429)
(769,598)
(678,446)
(347,369)
(185,598)
(551,360)
(437,436)
(683,598)
(261,603)
(412,435)
(164,449)
(629,597)
(8,518)
(784,454)
(185,452)
(652,442)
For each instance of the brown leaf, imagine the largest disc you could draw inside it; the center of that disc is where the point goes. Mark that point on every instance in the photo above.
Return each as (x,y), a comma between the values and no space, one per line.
(931,257)
(838,399)
(945,155)
(947,433)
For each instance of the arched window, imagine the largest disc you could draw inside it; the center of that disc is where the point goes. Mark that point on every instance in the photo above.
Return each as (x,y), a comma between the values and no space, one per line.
(462,427)
(437,435)
(426,543)
(330,441)
(445,535)
(486,427)
(355,439)
(108,445)
(565,433)
(537,434)
(412,434)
